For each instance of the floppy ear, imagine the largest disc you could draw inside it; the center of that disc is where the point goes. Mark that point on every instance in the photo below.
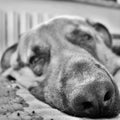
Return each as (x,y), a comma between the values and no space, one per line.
(104,32)
(6,57)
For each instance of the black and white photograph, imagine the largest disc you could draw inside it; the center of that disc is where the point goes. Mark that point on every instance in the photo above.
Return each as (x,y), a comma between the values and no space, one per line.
(59,59)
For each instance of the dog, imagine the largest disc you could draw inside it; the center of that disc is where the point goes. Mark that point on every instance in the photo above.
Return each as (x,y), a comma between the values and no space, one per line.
(67,63)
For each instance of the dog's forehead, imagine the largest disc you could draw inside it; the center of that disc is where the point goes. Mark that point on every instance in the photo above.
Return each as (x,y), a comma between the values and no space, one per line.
(53,33)
(58,25)
(64,22)
(61,26)
(69,22)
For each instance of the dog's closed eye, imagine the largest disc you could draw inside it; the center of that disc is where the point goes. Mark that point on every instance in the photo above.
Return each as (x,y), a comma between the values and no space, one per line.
(79,37)
(35,59)
(87,37)
(38,61)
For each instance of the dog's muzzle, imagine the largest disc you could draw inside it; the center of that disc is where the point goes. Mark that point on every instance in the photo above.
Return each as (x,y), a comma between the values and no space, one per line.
(89,90)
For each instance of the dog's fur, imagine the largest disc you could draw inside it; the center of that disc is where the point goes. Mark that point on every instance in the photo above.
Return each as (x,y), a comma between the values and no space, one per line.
(60,60)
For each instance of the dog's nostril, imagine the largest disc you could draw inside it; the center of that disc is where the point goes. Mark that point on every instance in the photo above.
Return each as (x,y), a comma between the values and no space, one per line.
(10,78)
(108,96)
(87,105)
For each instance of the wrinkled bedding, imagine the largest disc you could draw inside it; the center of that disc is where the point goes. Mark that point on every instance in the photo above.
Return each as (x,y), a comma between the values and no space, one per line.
(16,103)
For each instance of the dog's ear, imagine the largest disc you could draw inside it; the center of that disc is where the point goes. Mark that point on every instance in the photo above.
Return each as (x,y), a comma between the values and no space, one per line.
(6,57)
(104,32)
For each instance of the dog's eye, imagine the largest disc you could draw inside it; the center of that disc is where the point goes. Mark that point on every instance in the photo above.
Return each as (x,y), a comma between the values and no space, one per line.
(34,59)
(37,64)
(87,37)
(39,61)
(81,35)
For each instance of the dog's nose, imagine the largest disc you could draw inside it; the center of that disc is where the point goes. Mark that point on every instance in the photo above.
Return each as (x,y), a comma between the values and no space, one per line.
(95,100)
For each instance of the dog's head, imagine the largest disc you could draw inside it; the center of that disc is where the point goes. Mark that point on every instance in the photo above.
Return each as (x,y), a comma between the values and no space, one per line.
(62,56)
